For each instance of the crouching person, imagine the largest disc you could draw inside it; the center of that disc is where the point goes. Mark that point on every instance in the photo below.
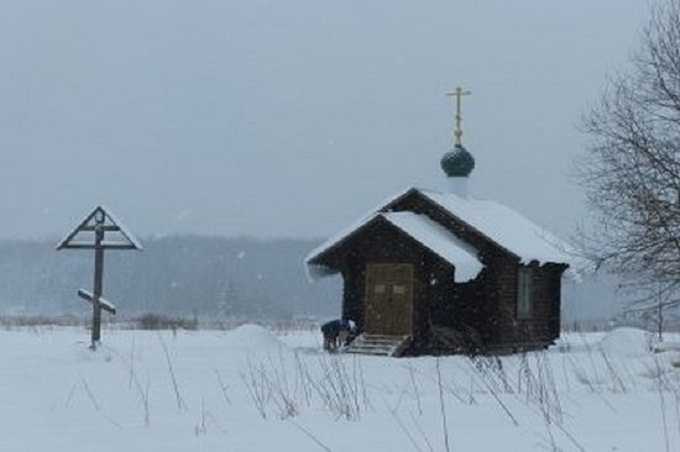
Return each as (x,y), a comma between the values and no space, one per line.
(337,332)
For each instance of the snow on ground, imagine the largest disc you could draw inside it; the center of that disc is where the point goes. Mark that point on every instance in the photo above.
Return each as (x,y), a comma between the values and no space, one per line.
(250,389)
(627,341)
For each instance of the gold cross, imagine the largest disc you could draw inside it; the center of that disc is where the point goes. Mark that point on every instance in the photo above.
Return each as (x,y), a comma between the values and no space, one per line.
(459,93)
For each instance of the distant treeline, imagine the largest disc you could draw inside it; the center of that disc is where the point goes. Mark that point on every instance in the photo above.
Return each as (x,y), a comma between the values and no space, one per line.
(212,278)
(205,277)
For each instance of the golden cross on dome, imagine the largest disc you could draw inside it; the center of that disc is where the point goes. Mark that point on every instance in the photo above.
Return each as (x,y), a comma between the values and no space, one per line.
(458,93)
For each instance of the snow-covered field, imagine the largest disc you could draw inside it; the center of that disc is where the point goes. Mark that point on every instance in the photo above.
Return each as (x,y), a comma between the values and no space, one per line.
(253,390)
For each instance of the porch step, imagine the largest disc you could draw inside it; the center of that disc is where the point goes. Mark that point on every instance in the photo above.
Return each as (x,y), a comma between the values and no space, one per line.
(379,345)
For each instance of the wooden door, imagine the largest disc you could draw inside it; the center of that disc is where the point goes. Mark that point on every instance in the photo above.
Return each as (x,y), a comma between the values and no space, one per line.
(389,299)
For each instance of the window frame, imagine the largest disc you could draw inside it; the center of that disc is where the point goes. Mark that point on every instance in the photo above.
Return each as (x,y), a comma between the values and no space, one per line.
(525,296)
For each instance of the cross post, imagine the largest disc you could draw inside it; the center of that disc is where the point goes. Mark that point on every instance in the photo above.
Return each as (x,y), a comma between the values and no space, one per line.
(458,93)
(98,278)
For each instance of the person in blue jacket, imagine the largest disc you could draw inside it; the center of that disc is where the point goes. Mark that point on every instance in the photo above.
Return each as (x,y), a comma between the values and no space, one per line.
(337,332)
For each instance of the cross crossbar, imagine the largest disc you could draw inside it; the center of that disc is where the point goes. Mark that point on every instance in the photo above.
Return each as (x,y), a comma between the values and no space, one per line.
(103,302)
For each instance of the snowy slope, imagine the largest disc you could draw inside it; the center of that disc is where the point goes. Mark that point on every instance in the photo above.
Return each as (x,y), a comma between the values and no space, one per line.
(252,390)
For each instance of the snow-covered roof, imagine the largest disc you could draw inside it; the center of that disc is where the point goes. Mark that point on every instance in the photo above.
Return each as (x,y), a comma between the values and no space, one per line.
(425,231)
(440,241)
(126,238)
(498,223)
(124,229)
(507,228)
(342,234)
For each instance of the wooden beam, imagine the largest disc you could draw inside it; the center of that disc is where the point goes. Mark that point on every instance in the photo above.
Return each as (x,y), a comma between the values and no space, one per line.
(103,302)
(104,227)
(104,245)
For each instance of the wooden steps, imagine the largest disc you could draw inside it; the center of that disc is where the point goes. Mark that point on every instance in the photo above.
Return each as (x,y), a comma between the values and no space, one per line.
(379,345)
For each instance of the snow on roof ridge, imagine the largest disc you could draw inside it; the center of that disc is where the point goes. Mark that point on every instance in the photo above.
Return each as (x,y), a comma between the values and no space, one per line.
(440,241)
(422,229)
(518,234)
(366,218)
(124,230)
(127,233)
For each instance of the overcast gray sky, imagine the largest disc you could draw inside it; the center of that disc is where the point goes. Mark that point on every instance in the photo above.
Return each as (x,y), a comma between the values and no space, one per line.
(291,119)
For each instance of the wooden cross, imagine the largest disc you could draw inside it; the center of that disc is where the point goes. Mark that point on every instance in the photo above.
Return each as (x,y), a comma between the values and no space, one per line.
(95,226)
(459,93)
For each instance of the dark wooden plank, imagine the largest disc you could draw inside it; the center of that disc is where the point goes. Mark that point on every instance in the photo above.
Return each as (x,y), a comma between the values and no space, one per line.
(105,304)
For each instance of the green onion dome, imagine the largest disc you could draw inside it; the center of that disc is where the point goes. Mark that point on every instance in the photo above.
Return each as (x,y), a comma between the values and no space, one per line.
(458,162)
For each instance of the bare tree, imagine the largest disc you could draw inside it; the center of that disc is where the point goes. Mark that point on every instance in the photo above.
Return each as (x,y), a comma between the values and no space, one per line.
(632,173)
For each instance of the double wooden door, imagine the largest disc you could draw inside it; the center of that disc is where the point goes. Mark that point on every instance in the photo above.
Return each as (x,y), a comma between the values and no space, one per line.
(389,299)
